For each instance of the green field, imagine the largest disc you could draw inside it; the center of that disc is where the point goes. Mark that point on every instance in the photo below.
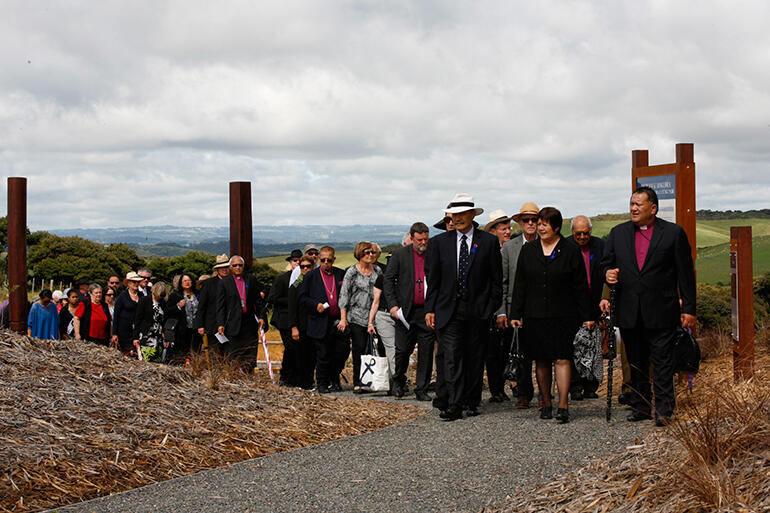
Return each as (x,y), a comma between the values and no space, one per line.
(713,263)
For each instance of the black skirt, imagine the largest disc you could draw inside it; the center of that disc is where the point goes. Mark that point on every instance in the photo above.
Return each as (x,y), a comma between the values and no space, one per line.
(547,339)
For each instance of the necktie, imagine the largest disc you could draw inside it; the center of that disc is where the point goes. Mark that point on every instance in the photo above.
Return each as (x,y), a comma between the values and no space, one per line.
(462,269)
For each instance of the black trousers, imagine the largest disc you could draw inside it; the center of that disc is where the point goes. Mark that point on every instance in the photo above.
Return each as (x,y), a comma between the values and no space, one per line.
(359,339)
(290,361)
(242,346)
(643,346)
(464,340)
(498,348)
(418,335)
(306,361)
(331,355)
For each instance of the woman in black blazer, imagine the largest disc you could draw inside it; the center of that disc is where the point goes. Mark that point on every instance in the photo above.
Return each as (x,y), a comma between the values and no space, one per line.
(183,305)
(551,300)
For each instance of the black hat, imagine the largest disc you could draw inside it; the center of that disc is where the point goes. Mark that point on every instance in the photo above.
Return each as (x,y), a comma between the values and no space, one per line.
(295,253)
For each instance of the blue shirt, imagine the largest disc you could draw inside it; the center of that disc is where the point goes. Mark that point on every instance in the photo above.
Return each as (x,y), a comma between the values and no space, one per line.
(43,321)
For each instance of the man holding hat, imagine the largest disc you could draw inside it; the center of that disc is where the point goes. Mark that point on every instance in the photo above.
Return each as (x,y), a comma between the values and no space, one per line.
(527,219)
(500,333)
(464,292)
(279,298)
(206,316)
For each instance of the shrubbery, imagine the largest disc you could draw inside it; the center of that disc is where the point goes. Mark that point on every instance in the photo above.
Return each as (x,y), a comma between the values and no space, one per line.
(714,305)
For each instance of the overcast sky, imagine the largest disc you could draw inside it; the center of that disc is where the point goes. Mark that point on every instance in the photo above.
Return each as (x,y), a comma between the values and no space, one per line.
(140,113)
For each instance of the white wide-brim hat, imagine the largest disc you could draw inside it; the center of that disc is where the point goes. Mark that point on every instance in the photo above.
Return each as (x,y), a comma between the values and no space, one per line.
(462,203)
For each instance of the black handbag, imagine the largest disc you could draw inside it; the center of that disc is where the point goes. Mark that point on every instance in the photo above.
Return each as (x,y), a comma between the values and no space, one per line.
(687,353)
(169,329)
(513,369)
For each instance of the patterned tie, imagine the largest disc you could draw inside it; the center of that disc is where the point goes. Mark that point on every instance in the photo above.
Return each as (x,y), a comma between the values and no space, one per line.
(462,269)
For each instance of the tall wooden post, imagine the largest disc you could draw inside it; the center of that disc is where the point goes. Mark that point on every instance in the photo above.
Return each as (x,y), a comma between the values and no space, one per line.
(17,253)
(742,280)
(240,222)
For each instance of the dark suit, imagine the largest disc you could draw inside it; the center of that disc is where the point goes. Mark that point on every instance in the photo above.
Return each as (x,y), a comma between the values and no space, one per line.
(647,304)
(297,318)
(463,322)
(241,328)
(332,347)
(398,288)
(206,316)
(185,338)
(279,298)
(595,251)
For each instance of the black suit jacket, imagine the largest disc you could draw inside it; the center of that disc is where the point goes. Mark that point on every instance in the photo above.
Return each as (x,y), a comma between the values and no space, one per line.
(551,287)
(143,316)
(279,298)
(485,276)
(206,316)
(230,310)
(596,250)
(650,296)
(312,292)
(398,283)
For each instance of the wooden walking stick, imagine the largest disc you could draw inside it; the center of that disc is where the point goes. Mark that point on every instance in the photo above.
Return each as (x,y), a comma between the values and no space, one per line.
(612,351)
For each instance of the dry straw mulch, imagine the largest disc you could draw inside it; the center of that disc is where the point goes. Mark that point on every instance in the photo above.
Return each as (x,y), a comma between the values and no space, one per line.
(79,421)
(714,457)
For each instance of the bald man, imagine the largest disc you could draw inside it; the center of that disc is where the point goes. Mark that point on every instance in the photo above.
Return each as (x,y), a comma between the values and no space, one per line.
(591,249)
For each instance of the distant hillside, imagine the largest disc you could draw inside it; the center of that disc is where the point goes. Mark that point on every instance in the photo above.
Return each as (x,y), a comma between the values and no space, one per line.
(733,214)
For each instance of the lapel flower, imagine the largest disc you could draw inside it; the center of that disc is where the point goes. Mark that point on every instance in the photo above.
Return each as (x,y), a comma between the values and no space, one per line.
(473,249)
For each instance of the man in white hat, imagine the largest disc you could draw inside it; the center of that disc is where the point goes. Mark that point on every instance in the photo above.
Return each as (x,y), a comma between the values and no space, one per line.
(464,292)
(499,345)
(206,316)
(527,219)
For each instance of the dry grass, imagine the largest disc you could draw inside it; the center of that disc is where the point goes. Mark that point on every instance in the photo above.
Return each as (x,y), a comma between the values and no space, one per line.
(79,421)
(715,456)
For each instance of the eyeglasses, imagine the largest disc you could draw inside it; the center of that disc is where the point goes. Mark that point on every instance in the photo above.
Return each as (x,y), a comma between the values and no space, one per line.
(312,252)
(369,252)
(325,260)
(110,294)
(236,265)
(306,266)
(114,282)
(583,233)
(294,260)
(527,220)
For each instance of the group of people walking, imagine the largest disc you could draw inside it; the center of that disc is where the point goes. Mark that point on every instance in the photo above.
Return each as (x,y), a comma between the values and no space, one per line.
(459,297)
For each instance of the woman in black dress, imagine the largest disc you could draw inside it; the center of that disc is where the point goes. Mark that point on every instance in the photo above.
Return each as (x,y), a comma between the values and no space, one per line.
(183,305)
(125,311)
(550,302)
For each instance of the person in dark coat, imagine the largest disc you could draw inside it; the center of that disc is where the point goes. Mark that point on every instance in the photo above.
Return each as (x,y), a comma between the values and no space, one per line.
(67,313)
(551,299)
(125,313)
(206,316)
(183,306)
(297,319)
(591,250)
(240,313)
(279,298)
(319,294)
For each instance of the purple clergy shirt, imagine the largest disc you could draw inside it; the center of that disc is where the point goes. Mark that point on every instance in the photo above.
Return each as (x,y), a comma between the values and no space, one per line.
(419,279)
(587,260)
(241,286)
(331,293)
(642,237)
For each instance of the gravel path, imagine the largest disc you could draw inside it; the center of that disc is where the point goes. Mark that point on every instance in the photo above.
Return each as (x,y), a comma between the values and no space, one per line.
(422,465)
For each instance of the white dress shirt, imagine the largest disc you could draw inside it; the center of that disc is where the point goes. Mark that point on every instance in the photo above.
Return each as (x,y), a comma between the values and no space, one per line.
(460,234)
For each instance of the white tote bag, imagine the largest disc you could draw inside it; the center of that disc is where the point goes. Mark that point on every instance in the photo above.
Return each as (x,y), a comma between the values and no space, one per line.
(375,373)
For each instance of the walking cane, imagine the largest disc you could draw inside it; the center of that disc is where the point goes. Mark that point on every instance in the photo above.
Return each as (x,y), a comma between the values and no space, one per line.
(206,350)
(611,353)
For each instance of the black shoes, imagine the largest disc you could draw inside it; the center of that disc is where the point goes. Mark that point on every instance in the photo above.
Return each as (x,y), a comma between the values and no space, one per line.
(546,412)
(450,415)
(576,395)
(562,415)
(323,389)
(625,398)
(591,395)
(440,404)
(473,412)
(498,397)
(636,416)
(421,396)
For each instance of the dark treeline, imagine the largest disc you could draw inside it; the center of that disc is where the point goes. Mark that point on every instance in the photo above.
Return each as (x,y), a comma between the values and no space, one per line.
(732,214)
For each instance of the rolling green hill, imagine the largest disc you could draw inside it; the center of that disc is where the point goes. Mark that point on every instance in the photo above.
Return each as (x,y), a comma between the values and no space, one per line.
(713,263)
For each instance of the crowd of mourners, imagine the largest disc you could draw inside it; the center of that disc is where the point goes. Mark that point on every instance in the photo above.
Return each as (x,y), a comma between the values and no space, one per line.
(460,298)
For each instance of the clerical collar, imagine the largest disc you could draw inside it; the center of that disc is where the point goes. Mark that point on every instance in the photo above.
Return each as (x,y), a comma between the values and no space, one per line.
(648,225)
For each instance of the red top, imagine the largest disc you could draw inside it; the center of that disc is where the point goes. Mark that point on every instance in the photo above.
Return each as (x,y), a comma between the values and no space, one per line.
(642,237)
(419,278)
(98,327)
(587,260)
(331,293)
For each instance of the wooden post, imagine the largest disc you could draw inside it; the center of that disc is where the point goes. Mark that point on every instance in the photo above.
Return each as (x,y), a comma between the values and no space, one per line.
(240,222)
(742,285)
(17,253)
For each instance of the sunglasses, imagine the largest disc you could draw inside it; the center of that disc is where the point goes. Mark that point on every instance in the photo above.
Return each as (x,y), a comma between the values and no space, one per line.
(110,294)
(236,265)
(582,233)
(306,266)
(114,282)
(312,252)
(369,252)
(324,260)
(527,220)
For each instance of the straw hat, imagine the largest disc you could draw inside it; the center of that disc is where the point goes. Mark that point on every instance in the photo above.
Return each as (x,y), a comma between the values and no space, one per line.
(132,276)
(527,208)
(222,261)
(462,203)
(496,217)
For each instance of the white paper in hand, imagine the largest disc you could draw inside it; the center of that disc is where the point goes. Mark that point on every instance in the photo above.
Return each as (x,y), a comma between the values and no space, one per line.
(401,317)
(221,338)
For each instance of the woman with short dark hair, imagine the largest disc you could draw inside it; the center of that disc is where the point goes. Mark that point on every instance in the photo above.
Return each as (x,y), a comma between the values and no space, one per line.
(92,319)
(355,301)
(67,314)
(550,302)
(183,305)
(43,319)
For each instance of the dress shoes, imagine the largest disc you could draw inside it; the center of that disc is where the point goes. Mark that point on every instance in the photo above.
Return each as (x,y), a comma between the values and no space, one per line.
(450,415)
(624,398)
(473,412)
(398,391)
(522,403)
(498,397)
(440,404)
(421,396)
(562,415)
(636,416)
(546,412)
(323,389)
(576,395)
(336,387)
(591,395)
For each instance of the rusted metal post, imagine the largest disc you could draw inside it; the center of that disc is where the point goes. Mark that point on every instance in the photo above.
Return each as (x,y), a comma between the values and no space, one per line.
(741,280)
(17,253)
(240,222)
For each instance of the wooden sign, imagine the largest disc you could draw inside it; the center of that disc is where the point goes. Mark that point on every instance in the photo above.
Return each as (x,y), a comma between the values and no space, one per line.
(742,288)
